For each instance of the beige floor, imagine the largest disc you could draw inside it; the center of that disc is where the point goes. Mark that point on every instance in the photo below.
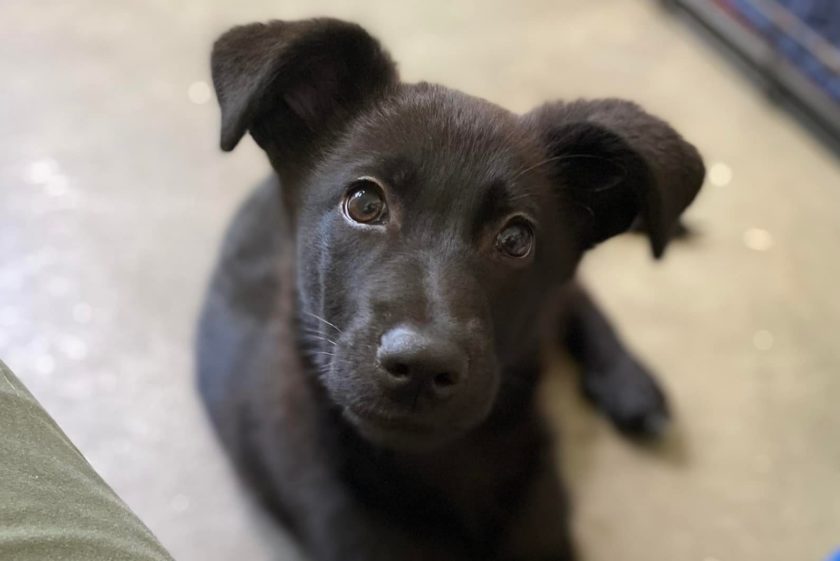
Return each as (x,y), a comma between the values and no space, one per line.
(113,197)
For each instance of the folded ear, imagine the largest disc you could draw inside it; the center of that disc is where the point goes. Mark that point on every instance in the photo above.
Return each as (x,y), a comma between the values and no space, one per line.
(293,84)
(612,164)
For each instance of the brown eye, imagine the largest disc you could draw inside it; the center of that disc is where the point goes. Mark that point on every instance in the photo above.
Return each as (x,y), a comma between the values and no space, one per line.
(516,239)
(365,202)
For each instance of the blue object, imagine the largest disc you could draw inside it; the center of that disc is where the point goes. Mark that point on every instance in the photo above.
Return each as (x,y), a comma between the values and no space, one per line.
(821,16)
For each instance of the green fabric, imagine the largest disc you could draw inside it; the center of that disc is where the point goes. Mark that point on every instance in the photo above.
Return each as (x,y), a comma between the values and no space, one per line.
(53,506)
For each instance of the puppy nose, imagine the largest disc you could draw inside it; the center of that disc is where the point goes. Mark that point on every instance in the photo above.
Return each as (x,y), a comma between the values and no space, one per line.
(416,362)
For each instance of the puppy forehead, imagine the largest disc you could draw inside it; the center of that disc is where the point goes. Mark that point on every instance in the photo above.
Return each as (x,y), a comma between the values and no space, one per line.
(443,138)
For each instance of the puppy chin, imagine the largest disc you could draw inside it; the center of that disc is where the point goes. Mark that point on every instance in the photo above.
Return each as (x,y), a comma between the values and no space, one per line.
(401,436)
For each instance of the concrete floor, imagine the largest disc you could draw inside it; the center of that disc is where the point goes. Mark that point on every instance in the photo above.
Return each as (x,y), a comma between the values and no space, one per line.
(113,197)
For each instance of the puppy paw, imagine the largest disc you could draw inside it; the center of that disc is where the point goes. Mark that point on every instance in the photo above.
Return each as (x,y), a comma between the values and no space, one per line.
(629,396)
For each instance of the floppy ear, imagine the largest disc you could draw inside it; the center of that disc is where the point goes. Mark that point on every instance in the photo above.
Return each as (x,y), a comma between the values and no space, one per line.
(612,164)
(294,84)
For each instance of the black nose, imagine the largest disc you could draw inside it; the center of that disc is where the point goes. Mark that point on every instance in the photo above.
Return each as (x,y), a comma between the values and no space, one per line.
(416,363)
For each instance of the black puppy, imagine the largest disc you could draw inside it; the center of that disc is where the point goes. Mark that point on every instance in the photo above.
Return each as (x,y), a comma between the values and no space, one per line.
(368,351)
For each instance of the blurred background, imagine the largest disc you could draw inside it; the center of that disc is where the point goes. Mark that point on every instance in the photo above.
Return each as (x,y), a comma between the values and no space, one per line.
(113,198)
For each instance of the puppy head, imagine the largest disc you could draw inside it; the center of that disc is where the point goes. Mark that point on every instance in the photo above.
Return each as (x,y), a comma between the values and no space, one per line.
(431,226)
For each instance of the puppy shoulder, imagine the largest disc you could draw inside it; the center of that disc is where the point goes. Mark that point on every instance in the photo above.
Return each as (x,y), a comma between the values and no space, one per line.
(253,253)
(239,309)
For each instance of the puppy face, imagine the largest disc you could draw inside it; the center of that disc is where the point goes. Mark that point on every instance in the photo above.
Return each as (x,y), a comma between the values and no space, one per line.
(431,226)
(427,237)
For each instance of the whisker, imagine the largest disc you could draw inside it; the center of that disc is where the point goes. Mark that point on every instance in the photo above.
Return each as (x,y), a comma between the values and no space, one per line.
(321,353)
(567,157)
(319,318)
(535,166)
(319,336)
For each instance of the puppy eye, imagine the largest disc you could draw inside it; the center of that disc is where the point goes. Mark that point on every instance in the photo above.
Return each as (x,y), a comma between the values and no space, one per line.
(365,202)
(516,239)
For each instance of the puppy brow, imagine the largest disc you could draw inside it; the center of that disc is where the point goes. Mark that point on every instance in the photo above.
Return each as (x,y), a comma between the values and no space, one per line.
(496,201)
(399,172)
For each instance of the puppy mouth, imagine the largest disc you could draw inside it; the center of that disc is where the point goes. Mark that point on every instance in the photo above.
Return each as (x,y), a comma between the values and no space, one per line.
(385,422)
(397,433)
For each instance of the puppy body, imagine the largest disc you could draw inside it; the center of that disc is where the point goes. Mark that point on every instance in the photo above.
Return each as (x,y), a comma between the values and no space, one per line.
(371,366)
(344,498)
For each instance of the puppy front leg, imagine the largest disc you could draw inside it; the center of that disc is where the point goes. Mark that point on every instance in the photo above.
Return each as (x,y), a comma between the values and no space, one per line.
(332,524)
(540,529)
(611,377)
(347,531)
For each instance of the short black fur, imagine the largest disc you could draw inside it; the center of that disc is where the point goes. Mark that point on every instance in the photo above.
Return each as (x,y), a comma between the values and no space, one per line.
(375,382)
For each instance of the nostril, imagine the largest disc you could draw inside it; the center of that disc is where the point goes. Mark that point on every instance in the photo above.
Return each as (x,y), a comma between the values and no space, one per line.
(398,369)
(444,380)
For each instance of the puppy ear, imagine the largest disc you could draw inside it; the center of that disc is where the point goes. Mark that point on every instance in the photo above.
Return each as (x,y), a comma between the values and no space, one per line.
(613,164)
(292,83)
